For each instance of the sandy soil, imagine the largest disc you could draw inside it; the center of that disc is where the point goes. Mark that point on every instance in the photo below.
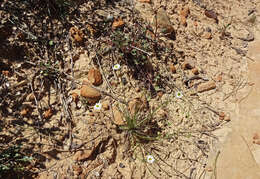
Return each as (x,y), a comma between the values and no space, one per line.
(183,74)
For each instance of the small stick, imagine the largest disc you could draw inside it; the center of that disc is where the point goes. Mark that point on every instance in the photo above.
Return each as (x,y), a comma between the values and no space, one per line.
(36,101)
(212,110)
(67,113)
(112,112)
(108,94)
(28,33)
(241,52)
(37,107)
(215,167)
(102,72)
(71,63)
(149,54)
(235,89)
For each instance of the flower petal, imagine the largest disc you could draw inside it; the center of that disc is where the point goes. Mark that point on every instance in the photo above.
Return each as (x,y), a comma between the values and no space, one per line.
(116,67)
(97,106)
(150,159)
(178,94)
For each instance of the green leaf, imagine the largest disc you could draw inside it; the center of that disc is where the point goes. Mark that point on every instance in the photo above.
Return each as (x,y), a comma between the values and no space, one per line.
(4,167)
(17,155)
(51,43)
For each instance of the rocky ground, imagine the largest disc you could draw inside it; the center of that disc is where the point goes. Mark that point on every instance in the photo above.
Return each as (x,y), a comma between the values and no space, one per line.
(121,89)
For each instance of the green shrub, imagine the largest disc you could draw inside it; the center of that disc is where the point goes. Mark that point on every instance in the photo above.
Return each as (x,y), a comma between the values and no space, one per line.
(13,160)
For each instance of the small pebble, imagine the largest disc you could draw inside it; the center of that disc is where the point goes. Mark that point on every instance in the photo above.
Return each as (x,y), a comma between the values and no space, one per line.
(123,80)
(219,78)
(186,66)
(172,68)
(211,14)
(121,165)
(206,86)
(195,71)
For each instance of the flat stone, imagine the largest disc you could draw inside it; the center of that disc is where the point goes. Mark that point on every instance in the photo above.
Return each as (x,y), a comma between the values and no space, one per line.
(236,161)
(163,22)
(90,93)
(240,156)
(161,19)
(206,86)
(95,77)
(118,117)
(81,66)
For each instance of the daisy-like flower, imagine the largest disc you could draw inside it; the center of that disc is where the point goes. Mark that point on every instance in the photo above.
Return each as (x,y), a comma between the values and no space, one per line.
(97,106)
(150,159)
(178,94)
(97,174)
(116,67)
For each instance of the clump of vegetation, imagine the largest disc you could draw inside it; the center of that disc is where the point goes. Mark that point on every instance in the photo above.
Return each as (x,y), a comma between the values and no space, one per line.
(13,159)
(49,71)
(144,132)
(141,127)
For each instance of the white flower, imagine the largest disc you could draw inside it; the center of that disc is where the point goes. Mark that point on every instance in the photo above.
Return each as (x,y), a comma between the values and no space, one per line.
(97,174)
(150,159)
(110,17)
(178,94)
(97,106)
(116,67)
(85,164)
